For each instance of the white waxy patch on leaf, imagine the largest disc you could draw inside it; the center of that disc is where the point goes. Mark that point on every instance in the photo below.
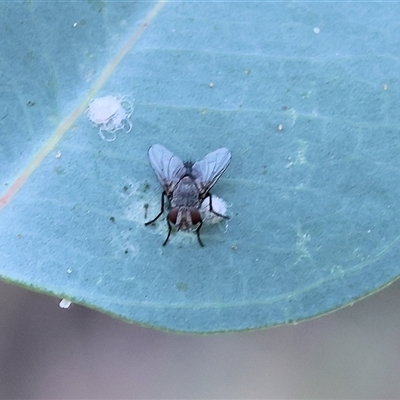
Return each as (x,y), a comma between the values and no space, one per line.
(218,205)
(111,114)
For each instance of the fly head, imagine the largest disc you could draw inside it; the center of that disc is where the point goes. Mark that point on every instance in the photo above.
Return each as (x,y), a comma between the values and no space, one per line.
(184,218)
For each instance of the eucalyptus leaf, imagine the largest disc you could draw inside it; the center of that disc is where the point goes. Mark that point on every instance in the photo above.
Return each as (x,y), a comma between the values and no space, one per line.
(305,95)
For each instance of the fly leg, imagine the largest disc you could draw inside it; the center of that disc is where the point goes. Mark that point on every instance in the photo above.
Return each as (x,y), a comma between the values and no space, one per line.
(160,213)
(198,234)
(211,209)
(169,233)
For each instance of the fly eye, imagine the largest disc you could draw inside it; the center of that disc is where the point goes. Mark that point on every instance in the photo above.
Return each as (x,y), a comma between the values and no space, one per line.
(173,215)
(196,217)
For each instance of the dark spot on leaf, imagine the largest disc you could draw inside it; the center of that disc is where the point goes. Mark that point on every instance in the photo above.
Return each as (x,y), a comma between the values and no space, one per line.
(99,5)
(182,286)
(29,56)
(59,170)
(146,187)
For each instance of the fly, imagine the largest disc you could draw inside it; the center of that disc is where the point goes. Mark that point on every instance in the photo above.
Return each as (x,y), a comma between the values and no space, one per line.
(186,186)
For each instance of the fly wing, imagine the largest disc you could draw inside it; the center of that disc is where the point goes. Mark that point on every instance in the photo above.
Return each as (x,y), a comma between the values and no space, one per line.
(168,168)
(207,171)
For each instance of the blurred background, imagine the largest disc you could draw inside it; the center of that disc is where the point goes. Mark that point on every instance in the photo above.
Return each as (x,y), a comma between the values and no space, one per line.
(49,352)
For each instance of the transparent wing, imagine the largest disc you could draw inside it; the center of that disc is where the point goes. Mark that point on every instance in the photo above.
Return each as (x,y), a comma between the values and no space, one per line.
(207,171)
(168,168)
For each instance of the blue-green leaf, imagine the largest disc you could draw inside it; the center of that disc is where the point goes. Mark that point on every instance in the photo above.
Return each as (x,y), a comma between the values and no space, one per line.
(305,95)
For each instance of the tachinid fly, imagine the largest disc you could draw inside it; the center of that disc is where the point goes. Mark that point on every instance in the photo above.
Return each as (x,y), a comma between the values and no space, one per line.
(186,185)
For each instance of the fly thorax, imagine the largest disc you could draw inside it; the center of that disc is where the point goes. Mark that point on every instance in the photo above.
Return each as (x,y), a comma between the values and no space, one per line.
(186,194)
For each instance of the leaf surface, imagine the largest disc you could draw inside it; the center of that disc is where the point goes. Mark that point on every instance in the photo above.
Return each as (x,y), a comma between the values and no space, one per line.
(305,95)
